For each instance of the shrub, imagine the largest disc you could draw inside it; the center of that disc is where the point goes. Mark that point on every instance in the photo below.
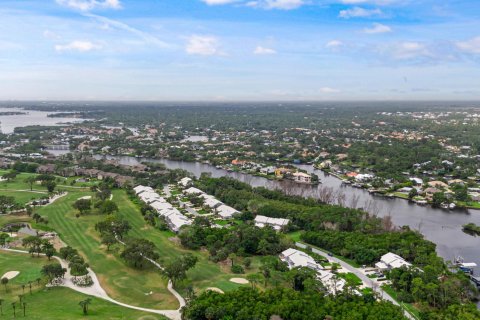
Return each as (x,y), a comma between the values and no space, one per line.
(237,269)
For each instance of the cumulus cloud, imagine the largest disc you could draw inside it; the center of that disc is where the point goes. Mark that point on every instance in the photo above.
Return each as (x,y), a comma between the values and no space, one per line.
(377,28)
(358,12)
(203,45)
(334,44)
(470,46)
(264,51)
(87,5)
(77,45)
(329,90)
(276,4)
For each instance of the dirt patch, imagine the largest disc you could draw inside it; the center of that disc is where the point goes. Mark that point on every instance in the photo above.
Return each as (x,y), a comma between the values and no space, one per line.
(11,274)
(215,289)
(239,280)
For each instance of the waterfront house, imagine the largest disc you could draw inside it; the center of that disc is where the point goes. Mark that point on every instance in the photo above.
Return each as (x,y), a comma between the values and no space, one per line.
(391,261)
(302,177)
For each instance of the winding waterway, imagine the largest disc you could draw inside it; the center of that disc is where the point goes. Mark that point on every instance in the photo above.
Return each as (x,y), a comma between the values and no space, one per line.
(440,226)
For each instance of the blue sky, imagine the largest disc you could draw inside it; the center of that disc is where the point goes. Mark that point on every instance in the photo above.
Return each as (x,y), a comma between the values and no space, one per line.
(240,49)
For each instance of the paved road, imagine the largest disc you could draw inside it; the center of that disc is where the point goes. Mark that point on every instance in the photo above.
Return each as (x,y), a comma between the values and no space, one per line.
(366,280)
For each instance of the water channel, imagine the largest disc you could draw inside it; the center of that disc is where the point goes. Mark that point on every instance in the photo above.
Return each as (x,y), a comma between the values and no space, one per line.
(440,226)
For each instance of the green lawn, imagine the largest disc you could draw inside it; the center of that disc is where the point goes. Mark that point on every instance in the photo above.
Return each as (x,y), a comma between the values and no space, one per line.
(205,274)
(121,282)
(352,278)
(53,303)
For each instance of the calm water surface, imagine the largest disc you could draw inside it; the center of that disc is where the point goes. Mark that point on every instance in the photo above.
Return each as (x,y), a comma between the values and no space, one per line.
(439,226)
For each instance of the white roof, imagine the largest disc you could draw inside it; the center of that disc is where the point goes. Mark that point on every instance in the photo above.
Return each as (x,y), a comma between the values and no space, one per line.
(193,190)
(159,206)
(185,181)
(177,220)
(301,174)
(225,211)
(296,258)
(277,223)
(211,201)
(468,265)
(140,189)
(394,261)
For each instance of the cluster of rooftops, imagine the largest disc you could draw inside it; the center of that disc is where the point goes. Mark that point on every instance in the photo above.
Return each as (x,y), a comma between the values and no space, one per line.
(174,218)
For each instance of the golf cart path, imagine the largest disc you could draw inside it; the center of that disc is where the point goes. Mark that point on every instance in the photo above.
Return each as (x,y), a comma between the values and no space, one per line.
(96,290)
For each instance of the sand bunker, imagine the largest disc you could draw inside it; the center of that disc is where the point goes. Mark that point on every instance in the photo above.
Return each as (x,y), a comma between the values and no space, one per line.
(11,274)
(239,280)
(85,198)
(215,289)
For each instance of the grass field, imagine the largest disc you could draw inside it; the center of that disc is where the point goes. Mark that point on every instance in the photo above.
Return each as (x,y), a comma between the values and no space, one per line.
(145,288)
(205,274)
(53,303)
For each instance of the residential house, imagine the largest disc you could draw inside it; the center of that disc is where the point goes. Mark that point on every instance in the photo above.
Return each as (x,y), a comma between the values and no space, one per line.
(276,223)
(391,261)
(226,212)
(302,177)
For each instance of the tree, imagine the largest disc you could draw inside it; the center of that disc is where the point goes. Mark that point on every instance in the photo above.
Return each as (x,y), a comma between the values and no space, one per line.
(84,304)
(34,244)
(53,271)
(114,225)
(108,239)
(14,306)
(31,181)
(176,270)
(6,203)
(438,199)
(50,185)
(232,256)
(3,239)
(4,282)
(83,205)
(108,207)
(137,250)
(11,175)
(254,279)
(1,307)
(412,194)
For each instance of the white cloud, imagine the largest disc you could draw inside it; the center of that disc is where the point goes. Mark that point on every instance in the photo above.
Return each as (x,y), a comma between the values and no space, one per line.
(470,46)
(77,45)
(145,36)
(87,5)
(376,2)
(377,28)
(334,44)
(410,50)
(203,45)
(357,12)
(218,2)
(276,4)
(329,90)
(264,51)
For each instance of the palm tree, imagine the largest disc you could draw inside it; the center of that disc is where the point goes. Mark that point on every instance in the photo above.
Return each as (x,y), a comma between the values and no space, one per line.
(38,281)
(84,304)
(24,308)
(14,305)
(20,298)
(30,285)
(23,287)
(5,282)
(1,307)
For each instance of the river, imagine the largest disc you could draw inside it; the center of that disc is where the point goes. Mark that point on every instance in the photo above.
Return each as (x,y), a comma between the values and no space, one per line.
(30,118)
(442,227)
